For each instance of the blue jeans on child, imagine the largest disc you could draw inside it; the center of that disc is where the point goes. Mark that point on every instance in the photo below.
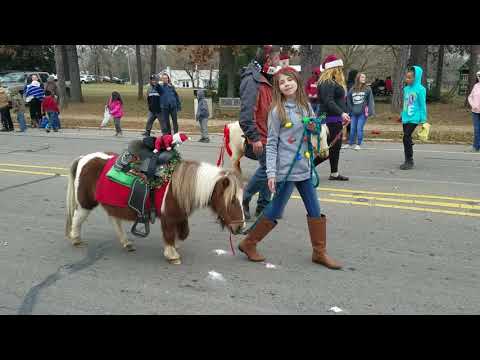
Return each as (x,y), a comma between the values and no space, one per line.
(53,120)
(358,122)
(21,121)
(309,196)
(476,131)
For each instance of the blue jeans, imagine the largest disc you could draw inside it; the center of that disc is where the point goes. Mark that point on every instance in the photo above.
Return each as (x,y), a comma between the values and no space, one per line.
(21,121)
(309,196)
(258,183)
(315,107)
(358,122)
(476,131)
(53,120)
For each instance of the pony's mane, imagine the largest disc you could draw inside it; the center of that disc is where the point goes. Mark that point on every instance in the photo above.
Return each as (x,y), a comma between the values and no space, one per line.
(193,184)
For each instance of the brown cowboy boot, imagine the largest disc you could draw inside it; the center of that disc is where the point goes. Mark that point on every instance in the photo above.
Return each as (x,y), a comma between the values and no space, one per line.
(249,245)
(318,236)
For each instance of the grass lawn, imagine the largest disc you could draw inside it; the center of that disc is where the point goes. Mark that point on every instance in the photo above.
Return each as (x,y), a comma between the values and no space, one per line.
(450,122)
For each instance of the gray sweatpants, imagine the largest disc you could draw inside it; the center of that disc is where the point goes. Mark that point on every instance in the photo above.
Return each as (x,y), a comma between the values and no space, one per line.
(204,127)
(116,121)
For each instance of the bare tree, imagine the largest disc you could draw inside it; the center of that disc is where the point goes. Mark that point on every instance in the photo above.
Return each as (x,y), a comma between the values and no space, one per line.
(139,72)
(438,79)
(153,60)
(60,69)
(311,57)
(419,56)
(399,71)
(74,70)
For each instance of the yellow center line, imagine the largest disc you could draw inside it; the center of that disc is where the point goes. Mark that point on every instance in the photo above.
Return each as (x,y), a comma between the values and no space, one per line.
(440,211)
(399,194)
(410,201)
(34,166)
(30,172)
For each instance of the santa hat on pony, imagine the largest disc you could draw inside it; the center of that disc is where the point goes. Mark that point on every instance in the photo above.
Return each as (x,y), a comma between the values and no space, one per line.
(330,62)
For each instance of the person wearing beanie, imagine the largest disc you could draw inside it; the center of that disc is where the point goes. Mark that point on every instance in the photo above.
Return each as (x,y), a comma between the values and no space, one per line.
(51,86)
(332,102)
(50,107)
(255,98)
(474,101)
(154,94)
(34,95)
(311,89)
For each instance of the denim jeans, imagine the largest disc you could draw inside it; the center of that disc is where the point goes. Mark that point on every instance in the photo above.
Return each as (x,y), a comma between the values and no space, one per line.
(309,196)
(52,120)
(151,119)
(258,183)
(358,122)
(476,131)
(21,121)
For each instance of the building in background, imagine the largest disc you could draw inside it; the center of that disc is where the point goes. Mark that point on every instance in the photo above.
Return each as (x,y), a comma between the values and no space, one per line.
(181,79)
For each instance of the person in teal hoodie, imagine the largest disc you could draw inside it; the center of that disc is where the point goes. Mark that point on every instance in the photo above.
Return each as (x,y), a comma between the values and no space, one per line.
(414,111)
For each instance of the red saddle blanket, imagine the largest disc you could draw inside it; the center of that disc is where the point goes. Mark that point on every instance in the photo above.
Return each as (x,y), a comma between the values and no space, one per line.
(109,192)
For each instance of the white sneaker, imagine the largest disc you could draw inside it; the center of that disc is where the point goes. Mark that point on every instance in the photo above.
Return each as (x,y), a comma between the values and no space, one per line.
(346,146)
(357,147)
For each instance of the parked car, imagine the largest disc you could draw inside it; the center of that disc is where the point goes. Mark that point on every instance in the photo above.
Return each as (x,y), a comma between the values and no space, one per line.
(87,79)
(117,80)
(16,81)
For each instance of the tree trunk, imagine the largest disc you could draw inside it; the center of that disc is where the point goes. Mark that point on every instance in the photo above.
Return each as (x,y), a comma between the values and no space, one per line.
(153,60)
(399,71)
(139,72)
(66,67)
(419,57)
(74,70)
(311,57)
(474,66)
(60,69)
(227,72)
(438,81)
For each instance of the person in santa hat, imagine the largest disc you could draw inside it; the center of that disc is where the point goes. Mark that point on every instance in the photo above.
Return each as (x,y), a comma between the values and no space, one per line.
(332,90)
(311,89)
(255,98)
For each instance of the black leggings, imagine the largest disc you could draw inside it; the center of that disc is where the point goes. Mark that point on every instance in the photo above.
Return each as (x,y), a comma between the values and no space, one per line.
(408,130)
(35,110)
(334,129)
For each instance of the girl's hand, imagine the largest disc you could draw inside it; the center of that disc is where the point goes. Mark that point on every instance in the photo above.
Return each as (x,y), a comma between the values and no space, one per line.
(346,119)
(271,185)
(311,126)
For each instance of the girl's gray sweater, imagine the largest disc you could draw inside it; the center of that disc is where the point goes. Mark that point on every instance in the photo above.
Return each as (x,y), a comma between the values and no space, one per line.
(282,144)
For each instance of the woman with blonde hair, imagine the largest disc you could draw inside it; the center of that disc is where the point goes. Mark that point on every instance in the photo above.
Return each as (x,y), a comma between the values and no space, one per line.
(332,90)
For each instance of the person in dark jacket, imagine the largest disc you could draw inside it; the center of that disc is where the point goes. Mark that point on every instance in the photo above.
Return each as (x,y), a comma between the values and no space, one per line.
(203,115)
(170,105)
(154,94)
(331,95)
(255,99)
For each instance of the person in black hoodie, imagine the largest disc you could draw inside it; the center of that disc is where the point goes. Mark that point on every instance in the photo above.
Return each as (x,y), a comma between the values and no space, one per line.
(332,99)
(154,106)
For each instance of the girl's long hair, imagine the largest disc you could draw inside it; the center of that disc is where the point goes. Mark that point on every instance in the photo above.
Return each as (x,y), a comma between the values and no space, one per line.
(333,75)
(278,99)
(116,96)
(358,85)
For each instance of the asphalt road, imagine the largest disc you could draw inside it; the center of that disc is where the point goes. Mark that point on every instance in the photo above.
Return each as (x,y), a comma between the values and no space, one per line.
(408,240)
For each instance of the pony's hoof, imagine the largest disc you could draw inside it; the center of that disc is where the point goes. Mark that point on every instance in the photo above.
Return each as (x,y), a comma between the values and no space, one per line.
(175,261)
(130,247)
(79,243)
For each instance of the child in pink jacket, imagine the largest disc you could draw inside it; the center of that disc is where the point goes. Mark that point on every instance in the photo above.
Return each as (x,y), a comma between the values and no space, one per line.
(115,106)
(474,100)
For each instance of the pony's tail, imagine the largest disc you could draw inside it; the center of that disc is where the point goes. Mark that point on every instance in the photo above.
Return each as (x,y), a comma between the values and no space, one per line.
(70,201)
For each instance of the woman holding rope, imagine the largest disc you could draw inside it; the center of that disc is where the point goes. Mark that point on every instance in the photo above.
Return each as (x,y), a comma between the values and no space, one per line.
(289,165)
(332,98)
